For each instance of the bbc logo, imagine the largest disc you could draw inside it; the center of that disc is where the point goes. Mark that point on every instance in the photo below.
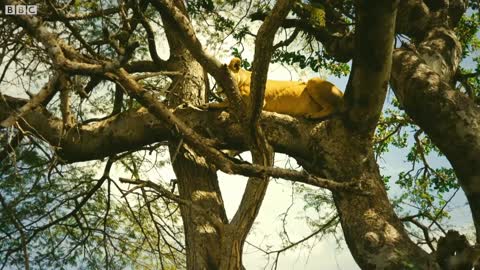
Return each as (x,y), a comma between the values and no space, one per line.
(20,9)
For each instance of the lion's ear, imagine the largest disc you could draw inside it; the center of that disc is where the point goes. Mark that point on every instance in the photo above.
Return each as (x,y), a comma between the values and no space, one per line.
(235,64)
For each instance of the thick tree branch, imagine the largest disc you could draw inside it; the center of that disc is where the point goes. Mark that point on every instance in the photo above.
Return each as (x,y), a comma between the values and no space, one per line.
(367,85)
(262,153)
(423,81)
(96,140)
(442,52)
(415,17)
(436,107)
(206,147)
(105,138)
(101,139)
(202,145)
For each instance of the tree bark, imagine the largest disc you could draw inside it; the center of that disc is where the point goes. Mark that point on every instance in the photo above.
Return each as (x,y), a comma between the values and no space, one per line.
(196,178)
(423,81)
(197,181)
(373,232)
(449,117)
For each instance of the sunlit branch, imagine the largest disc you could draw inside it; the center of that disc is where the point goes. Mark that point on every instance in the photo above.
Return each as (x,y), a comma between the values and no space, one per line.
(41,98)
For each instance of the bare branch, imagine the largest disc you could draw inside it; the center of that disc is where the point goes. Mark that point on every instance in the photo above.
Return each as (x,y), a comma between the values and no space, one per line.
(287,41)
(82,16)
(425,230)
(169,195)
(147,75)
(262,152)
(56,48)
(152,47)
(56,83)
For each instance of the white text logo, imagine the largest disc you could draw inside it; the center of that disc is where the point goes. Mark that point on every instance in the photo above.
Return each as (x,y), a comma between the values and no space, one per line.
(20,10)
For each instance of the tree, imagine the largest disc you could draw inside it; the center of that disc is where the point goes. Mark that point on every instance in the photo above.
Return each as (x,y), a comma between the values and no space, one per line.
(54,211)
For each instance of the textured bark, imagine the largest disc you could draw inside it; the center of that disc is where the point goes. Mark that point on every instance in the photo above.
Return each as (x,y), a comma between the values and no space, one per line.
(262,154)
(438,108)
(135,129)
(261,151)
(372,230)
(374,234)
(423,81)
(197,181)
(132,130)
(367,85)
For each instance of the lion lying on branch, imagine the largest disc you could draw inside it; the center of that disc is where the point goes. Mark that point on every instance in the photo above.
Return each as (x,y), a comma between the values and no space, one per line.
(314,99)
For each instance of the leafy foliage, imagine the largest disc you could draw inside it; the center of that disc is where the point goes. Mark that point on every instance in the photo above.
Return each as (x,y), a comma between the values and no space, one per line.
(314,62)
(66,219)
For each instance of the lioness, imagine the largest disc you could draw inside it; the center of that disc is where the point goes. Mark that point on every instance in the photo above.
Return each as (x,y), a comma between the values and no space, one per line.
(315,99)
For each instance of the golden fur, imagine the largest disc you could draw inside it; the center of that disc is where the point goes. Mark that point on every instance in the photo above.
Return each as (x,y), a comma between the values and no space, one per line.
(314,99)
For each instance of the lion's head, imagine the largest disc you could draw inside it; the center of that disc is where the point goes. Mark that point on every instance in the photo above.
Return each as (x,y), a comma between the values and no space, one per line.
(240,75)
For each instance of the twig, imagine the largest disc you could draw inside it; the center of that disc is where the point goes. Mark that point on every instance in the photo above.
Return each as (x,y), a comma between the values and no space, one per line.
(218,224)
(46,92)
(425,230)
(147,75)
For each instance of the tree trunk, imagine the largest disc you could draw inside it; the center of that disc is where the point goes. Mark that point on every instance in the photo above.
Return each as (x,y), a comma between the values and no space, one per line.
(197,181)
(374,234)
(423,83)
